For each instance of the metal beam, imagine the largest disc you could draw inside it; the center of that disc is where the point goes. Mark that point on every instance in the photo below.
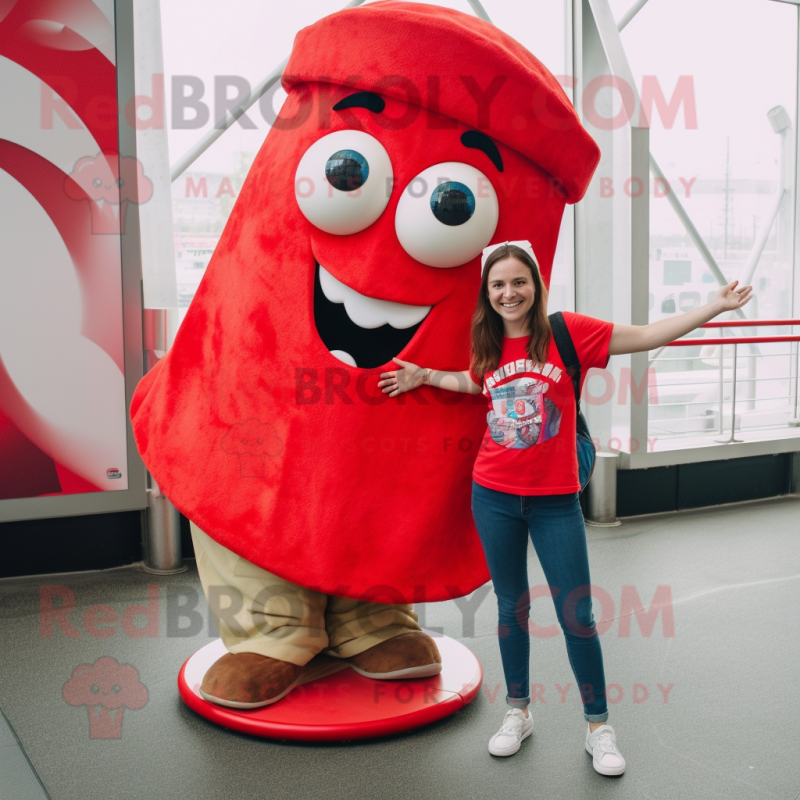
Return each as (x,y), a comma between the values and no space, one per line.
(188,158)
(632,12)
(479,10)
(694,234)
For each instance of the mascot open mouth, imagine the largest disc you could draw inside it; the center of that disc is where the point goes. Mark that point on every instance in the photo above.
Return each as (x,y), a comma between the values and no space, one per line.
(361,331)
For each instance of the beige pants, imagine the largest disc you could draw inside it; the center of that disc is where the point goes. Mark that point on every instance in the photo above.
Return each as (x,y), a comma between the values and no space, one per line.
(258,612)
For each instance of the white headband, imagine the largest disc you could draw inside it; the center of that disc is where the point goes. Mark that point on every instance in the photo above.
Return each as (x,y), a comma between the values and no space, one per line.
(524,244)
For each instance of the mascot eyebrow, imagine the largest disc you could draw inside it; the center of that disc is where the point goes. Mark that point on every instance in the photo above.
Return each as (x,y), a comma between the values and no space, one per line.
(375,103)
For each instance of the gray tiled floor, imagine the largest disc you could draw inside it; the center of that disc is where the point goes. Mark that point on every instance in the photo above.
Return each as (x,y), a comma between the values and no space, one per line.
(18,780)
(729,728)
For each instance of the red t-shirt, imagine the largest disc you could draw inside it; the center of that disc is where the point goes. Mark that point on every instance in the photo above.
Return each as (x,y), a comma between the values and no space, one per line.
(529,444)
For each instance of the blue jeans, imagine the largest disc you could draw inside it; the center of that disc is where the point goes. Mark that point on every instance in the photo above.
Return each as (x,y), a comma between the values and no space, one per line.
(556,527)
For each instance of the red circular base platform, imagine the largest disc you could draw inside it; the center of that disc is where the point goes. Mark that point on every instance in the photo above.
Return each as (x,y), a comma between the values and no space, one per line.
(345,705)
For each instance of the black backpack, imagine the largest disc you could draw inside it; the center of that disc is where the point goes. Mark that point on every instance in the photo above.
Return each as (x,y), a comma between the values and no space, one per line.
(583,439)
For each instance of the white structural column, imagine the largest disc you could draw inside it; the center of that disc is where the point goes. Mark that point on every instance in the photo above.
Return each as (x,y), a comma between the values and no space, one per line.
(162,553)
(155,212)
(612,221)
(793,215)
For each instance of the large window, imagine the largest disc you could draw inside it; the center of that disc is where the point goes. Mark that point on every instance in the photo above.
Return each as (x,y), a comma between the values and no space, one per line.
(719,83)
(718,80)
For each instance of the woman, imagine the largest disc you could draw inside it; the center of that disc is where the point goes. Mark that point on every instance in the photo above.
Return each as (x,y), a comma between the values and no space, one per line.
(525,477)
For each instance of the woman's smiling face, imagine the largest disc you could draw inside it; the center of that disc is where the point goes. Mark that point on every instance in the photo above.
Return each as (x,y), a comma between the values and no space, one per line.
(511,289)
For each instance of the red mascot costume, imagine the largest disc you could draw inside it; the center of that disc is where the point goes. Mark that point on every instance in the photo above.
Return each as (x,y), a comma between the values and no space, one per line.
(412,137)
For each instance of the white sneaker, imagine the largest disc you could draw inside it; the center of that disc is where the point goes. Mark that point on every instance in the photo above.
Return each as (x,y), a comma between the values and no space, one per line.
(516,727)
(602,746)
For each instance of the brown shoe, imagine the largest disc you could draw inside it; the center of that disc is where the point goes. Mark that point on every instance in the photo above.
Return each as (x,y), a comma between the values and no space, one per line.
(248,680)
(410,655)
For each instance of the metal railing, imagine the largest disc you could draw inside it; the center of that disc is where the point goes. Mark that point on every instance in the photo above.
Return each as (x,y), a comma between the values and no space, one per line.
(751,381)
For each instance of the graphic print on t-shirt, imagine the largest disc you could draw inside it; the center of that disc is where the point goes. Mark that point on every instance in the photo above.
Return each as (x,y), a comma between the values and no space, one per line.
(507,460)
(521,415)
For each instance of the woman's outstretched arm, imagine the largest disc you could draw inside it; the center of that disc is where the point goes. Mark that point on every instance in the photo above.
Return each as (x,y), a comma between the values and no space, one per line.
(636,338)
(412,376)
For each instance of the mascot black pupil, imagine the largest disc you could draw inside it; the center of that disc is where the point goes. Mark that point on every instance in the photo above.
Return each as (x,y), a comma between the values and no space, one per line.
(452,203)
(347,170)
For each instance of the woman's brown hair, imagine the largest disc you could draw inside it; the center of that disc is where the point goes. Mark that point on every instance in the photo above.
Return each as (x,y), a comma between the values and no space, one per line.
(487,325)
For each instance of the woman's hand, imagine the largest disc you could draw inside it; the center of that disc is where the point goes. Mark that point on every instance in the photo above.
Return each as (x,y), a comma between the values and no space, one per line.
(729,297)
(403,380)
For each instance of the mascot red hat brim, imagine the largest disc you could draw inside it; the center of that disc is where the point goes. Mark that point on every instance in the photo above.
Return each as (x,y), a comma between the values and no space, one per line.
(414,52)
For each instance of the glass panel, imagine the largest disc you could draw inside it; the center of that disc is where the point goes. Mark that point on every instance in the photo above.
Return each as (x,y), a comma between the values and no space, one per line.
(676,273)
(722,157)
(64,199)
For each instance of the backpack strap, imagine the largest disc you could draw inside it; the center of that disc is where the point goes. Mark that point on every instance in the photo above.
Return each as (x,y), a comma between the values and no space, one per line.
(566,349)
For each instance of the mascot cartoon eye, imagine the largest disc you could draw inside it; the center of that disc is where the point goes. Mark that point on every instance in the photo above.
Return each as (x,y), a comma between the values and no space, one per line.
(343,182)
(447,214)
